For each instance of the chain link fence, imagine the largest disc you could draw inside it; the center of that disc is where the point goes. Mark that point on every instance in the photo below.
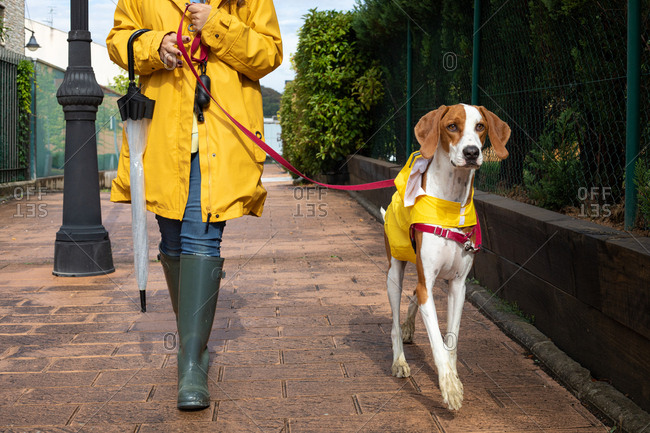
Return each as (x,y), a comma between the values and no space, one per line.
(47,154)
(50,125)
(554,71)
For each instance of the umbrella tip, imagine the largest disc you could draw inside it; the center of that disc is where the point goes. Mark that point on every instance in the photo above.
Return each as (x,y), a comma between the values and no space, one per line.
(143,301)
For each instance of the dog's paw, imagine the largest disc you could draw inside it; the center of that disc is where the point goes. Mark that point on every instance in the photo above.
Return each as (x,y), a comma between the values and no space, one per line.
(451,389)
(401,368)
(408,329)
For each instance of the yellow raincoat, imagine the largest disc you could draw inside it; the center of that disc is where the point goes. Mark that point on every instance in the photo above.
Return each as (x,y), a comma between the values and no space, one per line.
(244,45)
(426,210)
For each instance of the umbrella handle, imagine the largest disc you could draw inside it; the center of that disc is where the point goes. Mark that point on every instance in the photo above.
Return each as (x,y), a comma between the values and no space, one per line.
(131,60)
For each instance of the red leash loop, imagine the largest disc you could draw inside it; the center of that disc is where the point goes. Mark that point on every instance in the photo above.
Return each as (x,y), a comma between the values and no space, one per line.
(196,44)
(265,147)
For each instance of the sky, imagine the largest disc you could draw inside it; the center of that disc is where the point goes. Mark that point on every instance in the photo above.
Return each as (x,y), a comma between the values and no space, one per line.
(56,13)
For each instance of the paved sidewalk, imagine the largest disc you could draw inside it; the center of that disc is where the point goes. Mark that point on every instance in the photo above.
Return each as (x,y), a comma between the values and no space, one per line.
(301,339)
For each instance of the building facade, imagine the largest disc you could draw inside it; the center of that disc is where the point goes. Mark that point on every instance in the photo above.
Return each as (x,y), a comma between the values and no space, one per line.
(54,51)
(12,18)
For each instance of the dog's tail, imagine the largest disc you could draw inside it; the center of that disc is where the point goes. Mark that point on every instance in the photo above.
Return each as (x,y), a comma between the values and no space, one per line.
(383,213)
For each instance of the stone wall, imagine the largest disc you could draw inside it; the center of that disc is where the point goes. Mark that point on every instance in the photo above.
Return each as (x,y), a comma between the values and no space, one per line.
(13,14)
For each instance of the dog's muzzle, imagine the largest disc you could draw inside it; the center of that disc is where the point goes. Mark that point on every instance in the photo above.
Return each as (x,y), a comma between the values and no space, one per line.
(471,154)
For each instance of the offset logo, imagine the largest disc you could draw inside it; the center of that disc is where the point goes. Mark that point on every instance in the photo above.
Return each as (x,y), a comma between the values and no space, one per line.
(25,208)
(594,202)
(310,202)
(451,341)
(450,61)
(170,341)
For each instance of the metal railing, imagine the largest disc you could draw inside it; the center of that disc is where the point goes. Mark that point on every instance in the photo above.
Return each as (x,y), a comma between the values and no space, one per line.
(14,155)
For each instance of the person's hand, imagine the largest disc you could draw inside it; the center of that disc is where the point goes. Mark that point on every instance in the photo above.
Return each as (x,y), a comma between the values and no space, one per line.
(200,12)
(169,53)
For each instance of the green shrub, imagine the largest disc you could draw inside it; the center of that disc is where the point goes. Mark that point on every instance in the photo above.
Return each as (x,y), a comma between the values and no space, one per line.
(24,82)
(488,176)
(3,30)
(289,124)
(325,110)
(58,160)
(642,182)
(552,171)
(121,83)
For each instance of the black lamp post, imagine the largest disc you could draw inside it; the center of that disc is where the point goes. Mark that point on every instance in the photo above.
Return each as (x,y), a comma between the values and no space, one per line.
(82,246)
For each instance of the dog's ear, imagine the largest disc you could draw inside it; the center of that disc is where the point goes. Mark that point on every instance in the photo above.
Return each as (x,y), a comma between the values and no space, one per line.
(427,131)
(498,131)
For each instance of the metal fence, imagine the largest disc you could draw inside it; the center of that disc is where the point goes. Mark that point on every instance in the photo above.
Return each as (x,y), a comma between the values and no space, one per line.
(49,125)
(559,79)
(14,154)
(556,72)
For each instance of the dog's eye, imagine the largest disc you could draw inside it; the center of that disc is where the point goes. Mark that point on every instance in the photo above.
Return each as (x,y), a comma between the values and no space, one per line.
(452,127)
(480,127)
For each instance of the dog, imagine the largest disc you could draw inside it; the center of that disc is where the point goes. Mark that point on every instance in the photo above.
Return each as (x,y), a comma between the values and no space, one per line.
(431,222)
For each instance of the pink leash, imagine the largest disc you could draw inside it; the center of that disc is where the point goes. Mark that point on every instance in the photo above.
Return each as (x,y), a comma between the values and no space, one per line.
(265,147)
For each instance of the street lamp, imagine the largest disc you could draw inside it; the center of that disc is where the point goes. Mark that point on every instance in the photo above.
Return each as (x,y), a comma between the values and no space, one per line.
(32,45)
(82,246)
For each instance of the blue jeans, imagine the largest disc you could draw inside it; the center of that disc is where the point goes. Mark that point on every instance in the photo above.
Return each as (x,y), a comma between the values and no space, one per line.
(191,235)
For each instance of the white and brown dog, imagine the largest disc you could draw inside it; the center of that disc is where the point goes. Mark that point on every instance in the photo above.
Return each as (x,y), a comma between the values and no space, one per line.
(432,223)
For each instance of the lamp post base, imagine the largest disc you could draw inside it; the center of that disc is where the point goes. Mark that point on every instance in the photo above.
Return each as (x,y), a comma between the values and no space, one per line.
(82,259)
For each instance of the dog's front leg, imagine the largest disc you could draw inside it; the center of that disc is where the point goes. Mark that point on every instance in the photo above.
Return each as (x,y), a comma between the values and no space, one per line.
(451,388)
(400,367)
(450,383)
(456,300)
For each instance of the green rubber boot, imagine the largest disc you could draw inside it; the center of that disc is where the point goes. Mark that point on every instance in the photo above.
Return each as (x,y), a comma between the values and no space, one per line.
(200,277)
(171,269)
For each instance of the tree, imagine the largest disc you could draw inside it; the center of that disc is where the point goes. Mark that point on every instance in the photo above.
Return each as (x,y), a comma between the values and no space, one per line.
(121,83)
(271,100)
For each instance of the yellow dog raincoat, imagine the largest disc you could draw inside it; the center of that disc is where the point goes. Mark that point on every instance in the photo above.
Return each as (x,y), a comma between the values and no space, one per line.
(405,210)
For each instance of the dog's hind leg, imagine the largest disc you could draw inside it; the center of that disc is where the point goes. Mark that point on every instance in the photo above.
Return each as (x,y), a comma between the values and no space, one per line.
(408,326)
(400,368)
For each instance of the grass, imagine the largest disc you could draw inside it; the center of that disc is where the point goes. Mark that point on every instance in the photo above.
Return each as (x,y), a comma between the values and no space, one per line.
(504,305)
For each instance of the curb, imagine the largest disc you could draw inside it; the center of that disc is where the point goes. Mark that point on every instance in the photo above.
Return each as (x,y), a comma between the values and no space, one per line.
(623,412)
(370,207)
(32,187)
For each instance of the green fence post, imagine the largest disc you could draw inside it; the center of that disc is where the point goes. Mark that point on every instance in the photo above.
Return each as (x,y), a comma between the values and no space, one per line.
(409,88)
(476,51)
(633,108)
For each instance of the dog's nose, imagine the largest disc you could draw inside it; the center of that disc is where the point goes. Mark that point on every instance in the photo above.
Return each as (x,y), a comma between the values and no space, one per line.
(471,153)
